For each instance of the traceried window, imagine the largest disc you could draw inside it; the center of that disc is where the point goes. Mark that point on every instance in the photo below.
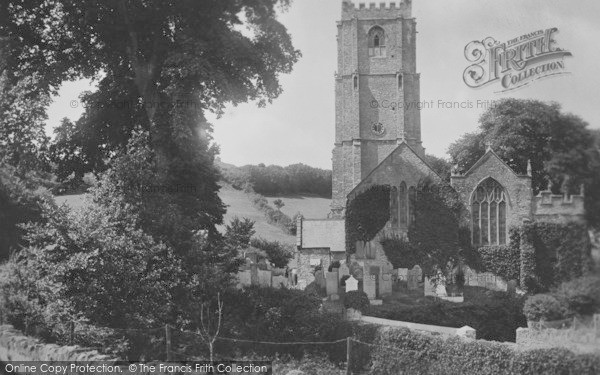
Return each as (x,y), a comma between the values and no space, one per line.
(403,206)
(394,206)
(412,200)
(377,42)
(488,214)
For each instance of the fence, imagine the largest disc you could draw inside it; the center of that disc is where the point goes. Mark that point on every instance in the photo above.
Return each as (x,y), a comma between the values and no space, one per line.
(351,354)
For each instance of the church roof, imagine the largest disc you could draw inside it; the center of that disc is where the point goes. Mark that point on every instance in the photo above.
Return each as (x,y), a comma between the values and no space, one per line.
(488,154)
(402,146)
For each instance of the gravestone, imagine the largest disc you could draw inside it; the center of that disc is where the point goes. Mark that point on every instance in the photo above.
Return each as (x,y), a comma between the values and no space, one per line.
(244,278)
(264,278)
(343,271)
(332,282)
(369,286)
(414,277)
(360,250)
(385,284)
(440,288)
(254,274)
(429,287)
(511,287)
(320,279)
(351,284)
(402,274)
(387,267)
(279,281)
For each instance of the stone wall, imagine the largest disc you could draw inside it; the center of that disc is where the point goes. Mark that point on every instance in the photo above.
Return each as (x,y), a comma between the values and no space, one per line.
(14,346)
(307,260)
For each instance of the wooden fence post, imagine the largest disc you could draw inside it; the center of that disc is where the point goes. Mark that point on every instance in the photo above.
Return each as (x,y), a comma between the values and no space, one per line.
(348,355)
(71,332)
(168,341)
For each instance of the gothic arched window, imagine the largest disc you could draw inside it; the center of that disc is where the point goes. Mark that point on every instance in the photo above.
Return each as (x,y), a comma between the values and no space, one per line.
(377,42)
(394,206)
(403,205)
(412,200)
(488,214)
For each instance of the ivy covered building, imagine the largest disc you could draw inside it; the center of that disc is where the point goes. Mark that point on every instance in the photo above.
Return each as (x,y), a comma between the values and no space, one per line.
(378,143)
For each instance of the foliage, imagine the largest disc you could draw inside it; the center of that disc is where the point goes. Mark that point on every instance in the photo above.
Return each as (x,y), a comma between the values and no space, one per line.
(581,295)
(23,103)
(495,315)
(559,145)
(334,264)
(543,307)
(400,252)
(357,300)
(552,253)
(21,198)
(274,180)
(278,203)
(402,351)
(501,260)
(366,215)
(434,234)
(238,233)
(440,166)
(275,217)
(277,253)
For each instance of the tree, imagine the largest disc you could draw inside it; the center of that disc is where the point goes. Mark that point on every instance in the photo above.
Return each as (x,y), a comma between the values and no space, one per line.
(171,61)
(279,204)
(560,147)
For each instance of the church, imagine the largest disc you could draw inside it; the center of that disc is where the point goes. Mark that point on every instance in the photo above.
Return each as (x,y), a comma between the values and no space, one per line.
(378,142)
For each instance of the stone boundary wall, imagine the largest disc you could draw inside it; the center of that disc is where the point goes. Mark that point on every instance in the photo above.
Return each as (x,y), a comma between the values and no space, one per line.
(466,331)
(15,346)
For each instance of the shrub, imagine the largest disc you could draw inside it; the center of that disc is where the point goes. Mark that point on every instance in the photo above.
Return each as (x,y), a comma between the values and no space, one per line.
(277,253)
(543,307)
(501,260)
(581,295)
(366,215)
(343,280)
(402,351)
(495,315)
(357,300)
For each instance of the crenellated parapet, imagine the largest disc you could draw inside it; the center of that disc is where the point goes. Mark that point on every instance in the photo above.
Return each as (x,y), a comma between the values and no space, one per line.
(558,207)
(376,10)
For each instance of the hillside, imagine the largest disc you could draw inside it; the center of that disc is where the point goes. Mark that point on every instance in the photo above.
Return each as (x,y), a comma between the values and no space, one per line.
(239,205)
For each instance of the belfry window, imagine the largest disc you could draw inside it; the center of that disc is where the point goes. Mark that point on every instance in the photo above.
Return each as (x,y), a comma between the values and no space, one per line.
(488,214)
(377,42)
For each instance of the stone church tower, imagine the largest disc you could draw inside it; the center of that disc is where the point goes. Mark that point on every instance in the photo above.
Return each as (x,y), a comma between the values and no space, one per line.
(377,92)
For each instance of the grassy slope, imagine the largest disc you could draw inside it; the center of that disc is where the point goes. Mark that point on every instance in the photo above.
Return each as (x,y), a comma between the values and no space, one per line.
(239,205)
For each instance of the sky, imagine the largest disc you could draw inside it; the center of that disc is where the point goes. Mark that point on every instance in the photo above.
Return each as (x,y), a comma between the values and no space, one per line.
(298,127)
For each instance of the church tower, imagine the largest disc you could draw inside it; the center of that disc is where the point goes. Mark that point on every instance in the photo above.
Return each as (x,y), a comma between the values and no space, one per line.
(376,91)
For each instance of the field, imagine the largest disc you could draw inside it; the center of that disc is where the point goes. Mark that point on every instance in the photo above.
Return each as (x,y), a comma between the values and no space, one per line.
(239,205)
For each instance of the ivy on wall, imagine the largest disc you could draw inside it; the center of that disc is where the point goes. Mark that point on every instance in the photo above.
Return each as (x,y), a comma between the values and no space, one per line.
(552,253)
(433,238)
(366,215)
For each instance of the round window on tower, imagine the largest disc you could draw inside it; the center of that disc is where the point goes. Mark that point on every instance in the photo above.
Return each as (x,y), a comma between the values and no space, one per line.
(378,128)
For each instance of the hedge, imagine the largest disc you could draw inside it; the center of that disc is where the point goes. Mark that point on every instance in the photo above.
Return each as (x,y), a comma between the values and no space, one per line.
(501,260)
(401,351)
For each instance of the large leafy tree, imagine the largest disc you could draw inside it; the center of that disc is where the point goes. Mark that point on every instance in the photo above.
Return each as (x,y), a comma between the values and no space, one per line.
(169,62)
(559,145)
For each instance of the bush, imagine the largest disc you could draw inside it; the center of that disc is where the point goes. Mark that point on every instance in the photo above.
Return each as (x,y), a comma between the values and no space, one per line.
(543,307)
(357,300)
(501,260)
(402,351)
(581,295)
(277,253)
(495,315)
(366,215)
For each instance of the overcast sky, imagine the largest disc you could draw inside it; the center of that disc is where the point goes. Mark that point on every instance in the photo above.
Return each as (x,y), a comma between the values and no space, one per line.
(299,126)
